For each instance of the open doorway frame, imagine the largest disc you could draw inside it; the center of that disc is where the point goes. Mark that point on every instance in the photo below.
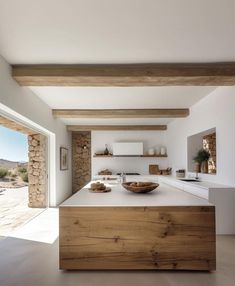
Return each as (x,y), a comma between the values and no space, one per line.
(37,163)
(50,152)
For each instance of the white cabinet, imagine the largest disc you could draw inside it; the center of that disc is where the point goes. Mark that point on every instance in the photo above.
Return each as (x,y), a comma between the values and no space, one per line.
(223,197)
(224,200)
(170,182)
(178,185)
(197,191)
(128,148)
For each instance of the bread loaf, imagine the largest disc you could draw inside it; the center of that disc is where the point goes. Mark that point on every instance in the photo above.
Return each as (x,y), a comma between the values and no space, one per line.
(97,186)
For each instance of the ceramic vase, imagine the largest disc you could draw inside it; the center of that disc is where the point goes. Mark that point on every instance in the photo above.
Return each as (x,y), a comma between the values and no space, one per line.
(197,167)
(204,167)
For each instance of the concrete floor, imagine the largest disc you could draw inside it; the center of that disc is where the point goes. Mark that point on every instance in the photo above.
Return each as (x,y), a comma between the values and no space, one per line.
(42,228)
(24,262)
(14,210)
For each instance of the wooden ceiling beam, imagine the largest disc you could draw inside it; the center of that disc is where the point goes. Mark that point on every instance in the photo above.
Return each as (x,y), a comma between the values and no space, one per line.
(116,127)
(120,113)
(153,74)
(8,123)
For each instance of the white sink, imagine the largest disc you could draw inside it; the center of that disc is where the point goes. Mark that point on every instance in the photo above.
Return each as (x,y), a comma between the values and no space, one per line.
(189,180)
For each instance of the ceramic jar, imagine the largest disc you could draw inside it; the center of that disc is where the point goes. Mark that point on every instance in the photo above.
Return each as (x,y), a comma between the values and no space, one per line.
(204,167)
(151,151)
(163,151)
(157,151)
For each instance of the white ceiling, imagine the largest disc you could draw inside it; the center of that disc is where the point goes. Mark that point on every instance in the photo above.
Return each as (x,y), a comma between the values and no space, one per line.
(117,31)
(123,31)
(120,98)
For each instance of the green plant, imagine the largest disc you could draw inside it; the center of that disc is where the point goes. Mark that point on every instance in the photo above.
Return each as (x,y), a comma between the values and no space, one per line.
(3,172)
(22,170)
(24,177)
(11,174)
(202,155)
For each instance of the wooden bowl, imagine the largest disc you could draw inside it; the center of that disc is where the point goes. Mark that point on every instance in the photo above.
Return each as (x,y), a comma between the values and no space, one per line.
(140,189)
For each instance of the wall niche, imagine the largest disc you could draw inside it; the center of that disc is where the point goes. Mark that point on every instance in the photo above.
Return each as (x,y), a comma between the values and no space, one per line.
(204,140)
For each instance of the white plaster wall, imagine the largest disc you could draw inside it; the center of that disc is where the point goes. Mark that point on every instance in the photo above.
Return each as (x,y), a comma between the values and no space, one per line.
(63,178)
(139,165)
(194,143)
(22,103)
(215,110)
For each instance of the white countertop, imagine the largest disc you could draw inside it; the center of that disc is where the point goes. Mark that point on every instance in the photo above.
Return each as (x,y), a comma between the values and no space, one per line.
(201,184)
(155,178)
(164,195)
(129,177)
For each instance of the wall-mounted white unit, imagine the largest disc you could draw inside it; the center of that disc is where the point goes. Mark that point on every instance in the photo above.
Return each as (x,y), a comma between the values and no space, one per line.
(128,148)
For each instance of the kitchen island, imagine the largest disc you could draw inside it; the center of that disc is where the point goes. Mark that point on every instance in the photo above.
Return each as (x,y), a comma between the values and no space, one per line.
(164,229)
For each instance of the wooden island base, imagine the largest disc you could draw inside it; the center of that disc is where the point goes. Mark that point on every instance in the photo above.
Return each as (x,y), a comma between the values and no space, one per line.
(174,237)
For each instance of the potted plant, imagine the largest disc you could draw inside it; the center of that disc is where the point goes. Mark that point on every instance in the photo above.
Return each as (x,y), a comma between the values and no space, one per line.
(201,160)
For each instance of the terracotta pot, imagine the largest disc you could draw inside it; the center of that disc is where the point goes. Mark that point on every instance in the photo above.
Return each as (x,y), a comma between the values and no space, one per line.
(197,167)
(204,167)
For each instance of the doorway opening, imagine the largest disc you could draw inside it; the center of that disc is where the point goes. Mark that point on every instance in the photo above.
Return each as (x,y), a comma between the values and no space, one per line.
(23,175)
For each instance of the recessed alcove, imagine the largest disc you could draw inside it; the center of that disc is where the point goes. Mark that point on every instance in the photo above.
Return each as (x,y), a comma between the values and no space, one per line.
(203,140)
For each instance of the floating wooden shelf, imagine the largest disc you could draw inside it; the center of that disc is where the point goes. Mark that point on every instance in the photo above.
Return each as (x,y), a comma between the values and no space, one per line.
(103,156)
(130,156)
(157,156)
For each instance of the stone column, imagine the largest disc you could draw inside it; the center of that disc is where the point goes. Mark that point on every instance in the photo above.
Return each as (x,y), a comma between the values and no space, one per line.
(37,171)
(81,159)
(209,143)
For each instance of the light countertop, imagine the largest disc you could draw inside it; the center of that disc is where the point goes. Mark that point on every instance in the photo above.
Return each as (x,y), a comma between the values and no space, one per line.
(164,195)
(129,177)
(156,178)
(201,184)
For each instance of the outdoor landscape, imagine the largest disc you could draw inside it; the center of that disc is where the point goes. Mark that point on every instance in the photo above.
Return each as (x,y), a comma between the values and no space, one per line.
(14,196)
(13,174)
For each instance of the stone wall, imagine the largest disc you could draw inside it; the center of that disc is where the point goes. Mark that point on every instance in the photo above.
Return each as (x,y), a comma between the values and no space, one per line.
(209,143)
(81,159)
(37,171)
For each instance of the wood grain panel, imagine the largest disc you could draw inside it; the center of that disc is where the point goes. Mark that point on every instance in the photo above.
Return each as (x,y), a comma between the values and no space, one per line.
(149,74)
(115,127)
(181,238)
(120,113)
(129,156)
(8,123)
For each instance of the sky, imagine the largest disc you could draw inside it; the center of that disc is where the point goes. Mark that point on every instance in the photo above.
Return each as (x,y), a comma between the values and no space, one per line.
(13,145)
